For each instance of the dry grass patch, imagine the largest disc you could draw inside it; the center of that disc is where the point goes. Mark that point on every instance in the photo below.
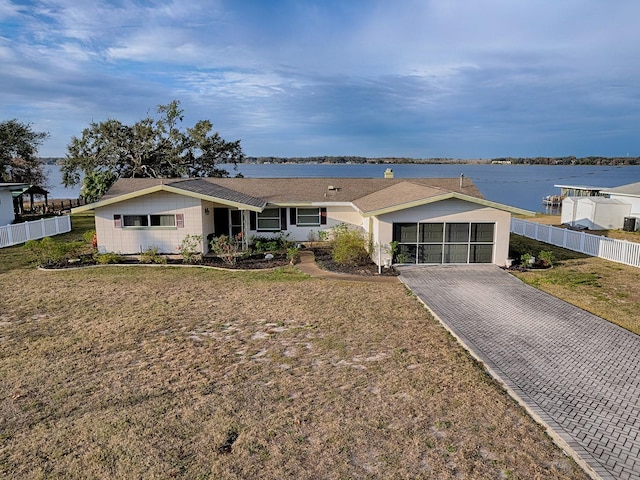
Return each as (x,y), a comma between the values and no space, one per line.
(604,288)
(165,372)
(544,219)
(555,220)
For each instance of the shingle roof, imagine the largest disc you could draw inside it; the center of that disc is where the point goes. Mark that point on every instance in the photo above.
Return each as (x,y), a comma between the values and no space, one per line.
(372,196)
(397,195)
(300,190)
(125,186)
(210,189)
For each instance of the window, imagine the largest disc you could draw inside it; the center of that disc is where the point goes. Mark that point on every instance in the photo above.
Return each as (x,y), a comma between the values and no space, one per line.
(430,253)
(455,253)
(480,253)
(148,220)
(456,242)
(482,232)
(457,233)
(431,232)
(481,243)
(162,220)
(136,221)
(236,222)
(405,232)
(269,219)
(308,216)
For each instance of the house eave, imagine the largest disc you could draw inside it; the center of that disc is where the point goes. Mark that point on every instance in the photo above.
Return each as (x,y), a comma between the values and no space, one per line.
(164,188)
(618,194)
(310,204)
(448,196)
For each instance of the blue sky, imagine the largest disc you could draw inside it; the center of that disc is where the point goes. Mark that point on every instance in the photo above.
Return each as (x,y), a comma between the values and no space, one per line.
(412,78)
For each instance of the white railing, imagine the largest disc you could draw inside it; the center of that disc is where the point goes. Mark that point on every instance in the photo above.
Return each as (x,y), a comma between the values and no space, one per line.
(21,232)
(620,251)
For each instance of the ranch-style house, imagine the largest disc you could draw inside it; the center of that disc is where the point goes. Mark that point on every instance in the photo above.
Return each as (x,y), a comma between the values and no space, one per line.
(433,220)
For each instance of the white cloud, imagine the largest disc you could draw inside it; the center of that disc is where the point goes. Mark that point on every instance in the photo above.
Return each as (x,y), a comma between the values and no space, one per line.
(397,71)
(8,9)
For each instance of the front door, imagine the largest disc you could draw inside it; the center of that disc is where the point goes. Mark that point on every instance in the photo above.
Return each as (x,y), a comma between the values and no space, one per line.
(221,221)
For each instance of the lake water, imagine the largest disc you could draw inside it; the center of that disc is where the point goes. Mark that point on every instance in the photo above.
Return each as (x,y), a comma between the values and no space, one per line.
(521,186)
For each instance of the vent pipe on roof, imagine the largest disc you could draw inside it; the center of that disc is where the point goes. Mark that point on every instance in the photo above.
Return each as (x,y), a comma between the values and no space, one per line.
(388,173)
(461,179)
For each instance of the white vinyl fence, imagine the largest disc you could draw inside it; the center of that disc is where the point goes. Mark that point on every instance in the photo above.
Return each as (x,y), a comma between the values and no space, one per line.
(620,251)
(46,227)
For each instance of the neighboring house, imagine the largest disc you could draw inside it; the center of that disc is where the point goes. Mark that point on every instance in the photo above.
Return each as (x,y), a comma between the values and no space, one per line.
(609,208)
(434,220)
(594,213)
(7,193)
(630,194)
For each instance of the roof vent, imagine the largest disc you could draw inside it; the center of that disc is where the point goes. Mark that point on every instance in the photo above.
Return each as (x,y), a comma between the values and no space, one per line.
(331,187)
(388,173)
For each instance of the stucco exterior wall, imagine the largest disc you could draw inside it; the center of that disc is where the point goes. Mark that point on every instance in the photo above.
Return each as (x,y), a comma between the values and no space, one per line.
(452,210)
(343,214)
(207,219)
(130,240)
(6,207)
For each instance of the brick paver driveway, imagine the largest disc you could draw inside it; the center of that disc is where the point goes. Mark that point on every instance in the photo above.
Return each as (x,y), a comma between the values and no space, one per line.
(574,372)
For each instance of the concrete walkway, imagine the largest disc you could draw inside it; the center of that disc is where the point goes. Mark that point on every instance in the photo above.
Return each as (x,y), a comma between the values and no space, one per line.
(575,373)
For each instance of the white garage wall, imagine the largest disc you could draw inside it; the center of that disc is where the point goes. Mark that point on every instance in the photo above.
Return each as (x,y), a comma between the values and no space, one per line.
(452,210)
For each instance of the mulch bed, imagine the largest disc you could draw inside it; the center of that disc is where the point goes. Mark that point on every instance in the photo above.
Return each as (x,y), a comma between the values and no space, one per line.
(251,262)
(324,259)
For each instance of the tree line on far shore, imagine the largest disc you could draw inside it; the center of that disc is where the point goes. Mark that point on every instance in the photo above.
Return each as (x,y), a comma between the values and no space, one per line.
(595,160)
(571,160)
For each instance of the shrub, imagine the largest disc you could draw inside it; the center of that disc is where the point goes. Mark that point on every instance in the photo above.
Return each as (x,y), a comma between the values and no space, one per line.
(150,255)
(107,258)
(348,247)
(264,244)
(293,255)
(190,249)
(90,238)
(48,251)
(546,258)
(526,259)
(396,255)
(40,250)
(227,248)
(277,243)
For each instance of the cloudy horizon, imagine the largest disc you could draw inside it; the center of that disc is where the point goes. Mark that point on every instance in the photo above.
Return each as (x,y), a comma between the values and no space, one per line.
(454,78)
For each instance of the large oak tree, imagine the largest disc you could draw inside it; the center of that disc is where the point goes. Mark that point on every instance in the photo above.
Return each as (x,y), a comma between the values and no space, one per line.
(153,147)
(19,160)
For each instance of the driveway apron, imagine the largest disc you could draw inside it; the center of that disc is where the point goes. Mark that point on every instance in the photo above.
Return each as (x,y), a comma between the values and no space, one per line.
(574,372)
